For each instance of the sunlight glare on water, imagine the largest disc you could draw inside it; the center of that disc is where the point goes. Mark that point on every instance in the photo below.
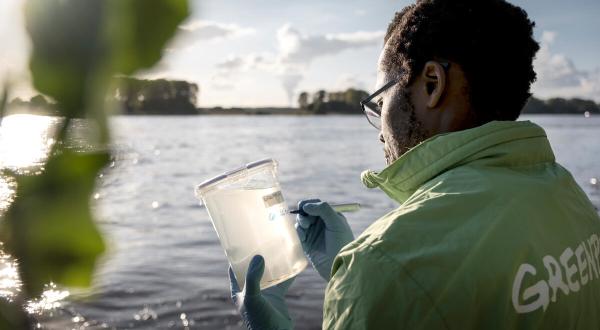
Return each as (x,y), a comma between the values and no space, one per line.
(10,283)
(7,192)
(51,299)
(25,140)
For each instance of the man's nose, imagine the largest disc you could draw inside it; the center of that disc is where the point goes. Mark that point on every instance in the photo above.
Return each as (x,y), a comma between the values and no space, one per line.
(381,137)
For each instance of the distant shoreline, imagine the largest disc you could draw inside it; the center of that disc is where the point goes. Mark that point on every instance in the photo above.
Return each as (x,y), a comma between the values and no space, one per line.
(333,106)
(134,97)
(256,112)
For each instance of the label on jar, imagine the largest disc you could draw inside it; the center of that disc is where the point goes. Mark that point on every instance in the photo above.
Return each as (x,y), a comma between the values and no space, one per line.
(273,199)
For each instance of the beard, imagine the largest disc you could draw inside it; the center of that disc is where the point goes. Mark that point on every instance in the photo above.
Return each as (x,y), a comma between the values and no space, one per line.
(406,131)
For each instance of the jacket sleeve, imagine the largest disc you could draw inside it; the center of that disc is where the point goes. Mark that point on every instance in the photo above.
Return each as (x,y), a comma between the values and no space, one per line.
(369,290)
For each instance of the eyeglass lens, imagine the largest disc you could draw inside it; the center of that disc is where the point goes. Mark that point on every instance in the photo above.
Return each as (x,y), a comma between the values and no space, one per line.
(373,114)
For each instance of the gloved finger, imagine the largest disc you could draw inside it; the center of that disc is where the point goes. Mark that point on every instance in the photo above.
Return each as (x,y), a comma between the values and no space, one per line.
(302,235)
(305,221)
(254,275)
(314,234)
(304,202)
(302,218)
(233,286)
(332,219)
(301,232)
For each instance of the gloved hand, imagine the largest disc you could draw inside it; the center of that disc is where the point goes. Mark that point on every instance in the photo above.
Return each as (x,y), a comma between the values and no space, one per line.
(261,310)
(322,232)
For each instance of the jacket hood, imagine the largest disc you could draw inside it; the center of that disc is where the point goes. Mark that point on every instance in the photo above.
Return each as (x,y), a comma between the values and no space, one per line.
(497,143)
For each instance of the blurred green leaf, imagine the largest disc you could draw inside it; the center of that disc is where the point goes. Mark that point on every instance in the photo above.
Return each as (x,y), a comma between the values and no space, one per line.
(12,317)
(77,47)
(141,29)
(3,102)
(68,49)
(74,41)
(49,226)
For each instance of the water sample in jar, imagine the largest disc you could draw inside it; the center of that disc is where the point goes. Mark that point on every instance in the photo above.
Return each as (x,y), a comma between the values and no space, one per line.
(250,216)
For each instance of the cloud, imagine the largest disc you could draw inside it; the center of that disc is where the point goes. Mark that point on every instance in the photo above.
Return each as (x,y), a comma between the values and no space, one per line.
(245,63)
(296,52)
(231,63)
(235,64)
(298,48)
(558,75)
(222,79)
(206,30)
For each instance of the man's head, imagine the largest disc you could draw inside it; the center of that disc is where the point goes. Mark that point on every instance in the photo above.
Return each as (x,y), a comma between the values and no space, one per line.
(459,64)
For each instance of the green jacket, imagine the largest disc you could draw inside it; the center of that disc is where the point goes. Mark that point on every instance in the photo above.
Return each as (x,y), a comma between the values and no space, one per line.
(491,233)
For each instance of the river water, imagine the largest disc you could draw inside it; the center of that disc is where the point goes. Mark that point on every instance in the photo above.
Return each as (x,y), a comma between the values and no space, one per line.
(165,267)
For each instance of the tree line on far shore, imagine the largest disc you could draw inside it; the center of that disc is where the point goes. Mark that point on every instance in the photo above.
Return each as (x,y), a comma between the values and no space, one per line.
(134,97)
(322,102)
(176,97)
(347,102)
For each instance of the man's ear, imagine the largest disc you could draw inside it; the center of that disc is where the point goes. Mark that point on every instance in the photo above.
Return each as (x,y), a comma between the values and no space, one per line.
(435,79)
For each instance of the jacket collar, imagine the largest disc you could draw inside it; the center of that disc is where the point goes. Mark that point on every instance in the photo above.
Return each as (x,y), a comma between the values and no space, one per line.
(497,143)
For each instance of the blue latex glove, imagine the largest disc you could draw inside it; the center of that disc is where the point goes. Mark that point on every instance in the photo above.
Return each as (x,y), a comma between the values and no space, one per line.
(261,310)
(322,232)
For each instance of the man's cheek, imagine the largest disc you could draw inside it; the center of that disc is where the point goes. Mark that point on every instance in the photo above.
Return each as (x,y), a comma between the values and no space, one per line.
(386,153)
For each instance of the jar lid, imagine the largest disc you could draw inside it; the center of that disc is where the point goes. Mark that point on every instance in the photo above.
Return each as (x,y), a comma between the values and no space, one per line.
(233,174)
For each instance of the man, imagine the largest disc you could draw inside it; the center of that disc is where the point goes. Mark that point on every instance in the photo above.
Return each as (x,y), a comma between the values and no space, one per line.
(491,232)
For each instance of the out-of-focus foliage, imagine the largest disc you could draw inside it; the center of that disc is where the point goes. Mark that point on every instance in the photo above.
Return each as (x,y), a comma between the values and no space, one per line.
(77,48)
(53,234)
(139,30)
(3,103)
(68,49)
(10,317)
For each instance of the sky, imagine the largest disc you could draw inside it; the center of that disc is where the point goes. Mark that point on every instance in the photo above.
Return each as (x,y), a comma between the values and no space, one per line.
(265,52)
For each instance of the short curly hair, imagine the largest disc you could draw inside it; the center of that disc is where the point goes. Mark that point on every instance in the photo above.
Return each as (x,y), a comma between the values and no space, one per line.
(491,40)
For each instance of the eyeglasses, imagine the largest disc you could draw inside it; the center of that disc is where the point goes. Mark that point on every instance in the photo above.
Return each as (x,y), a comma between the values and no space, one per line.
(372,110)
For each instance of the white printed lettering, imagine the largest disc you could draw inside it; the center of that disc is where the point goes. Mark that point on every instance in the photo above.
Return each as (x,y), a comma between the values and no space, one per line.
(569,270)
(587,255)
(581,264)
(591,262)
(594,239)
(540,289)
(555,280)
